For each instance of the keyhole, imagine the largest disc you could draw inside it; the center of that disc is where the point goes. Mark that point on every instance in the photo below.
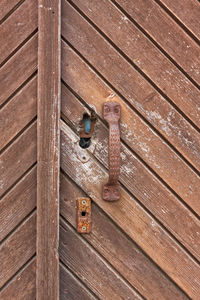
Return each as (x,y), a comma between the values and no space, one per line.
(83,213)
(87,127)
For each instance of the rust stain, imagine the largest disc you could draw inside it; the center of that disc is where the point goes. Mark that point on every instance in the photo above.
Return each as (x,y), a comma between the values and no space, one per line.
(83,215)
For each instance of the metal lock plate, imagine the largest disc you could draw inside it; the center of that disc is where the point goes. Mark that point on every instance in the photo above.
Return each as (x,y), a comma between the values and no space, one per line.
(83,215)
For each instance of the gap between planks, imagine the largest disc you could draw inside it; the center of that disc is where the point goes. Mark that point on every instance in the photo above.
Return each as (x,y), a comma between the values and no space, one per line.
(178,21)
(113,223)
(130,61)
(147,211)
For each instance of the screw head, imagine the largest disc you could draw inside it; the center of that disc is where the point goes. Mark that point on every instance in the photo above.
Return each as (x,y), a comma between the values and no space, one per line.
(83,202)
(84,228)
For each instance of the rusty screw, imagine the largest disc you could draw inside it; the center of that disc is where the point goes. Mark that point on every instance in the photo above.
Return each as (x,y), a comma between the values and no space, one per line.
(83,202)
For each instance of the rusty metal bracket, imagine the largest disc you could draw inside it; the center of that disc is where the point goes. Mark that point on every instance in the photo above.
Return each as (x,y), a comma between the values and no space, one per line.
(84,215)
(112,113)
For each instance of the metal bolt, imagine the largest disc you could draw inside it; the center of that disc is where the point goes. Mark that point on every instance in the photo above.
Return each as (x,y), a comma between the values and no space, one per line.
(83,202)
(84,228)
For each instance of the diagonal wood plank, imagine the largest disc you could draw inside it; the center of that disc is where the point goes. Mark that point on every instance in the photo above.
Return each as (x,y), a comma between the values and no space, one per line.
(15,252)
(7,6)
(166,33)
(18,112)
(96,273)
(18,203)
(22,287)
(139,181)
(23,63)
(140,226)
(137,91)
(187,11)
(124,255)
(137,134)
(71,288)
(18,27)
(149,60)
(18,158)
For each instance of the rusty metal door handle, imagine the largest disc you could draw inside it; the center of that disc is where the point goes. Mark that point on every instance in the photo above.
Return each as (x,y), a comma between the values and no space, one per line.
(111,113)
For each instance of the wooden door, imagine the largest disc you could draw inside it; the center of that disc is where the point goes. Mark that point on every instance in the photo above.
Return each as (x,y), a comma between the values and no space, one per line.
(144,55)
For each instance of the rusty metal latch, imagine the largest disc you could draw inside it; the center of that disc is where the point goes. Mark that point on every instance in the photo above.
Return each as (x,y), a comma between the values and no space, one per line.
(84,215)
(111,113)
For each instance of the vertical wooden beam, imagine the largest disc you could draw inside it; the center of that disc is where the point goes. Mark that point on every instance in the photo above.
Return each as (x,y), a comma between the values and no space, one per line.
(47,274)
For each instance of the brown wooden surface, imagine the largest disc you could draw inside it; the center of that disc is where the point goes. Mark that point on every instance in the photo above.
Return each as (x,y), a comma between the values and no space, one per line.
(23,22)
(145,56)
(17,158)
(71,288)
(18,112)
(17,203)
(140,181)
(7,7)
(132,218)
(47,271)
(23,63)
(94,271)
(134,131)
(22,286)
(136,268)
(166,33)
(187,12)
(18,248)
(18,84)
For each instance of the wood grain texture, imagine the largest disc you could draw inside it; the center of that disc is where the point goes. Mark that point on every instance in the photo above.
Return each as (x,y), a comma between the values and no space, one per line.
(18,27)
(118,250)
(187,11)
(22,287)
(47,274)
(145,55)
(23,63)
(18,249)
(140,226)
(71,288)
(18,158)
(139,180)
(166,33)
(95,273)
(18,112)
(134,131)
(18,203)
(6,7)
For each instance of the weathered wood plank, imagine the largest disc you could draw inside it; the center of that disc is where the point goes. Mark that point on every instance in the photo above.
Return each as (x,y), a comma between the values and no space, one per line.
(18,203)
(47,271)
(151,61)
(142,139)
(139,181)
(17,249)
(22,287)
(71,288)
(18,112)
(140,226)
(187,11)
(86,263)
(17,28)
(166,32)
(23,63)
(17,158)
(121,253)
(6,6)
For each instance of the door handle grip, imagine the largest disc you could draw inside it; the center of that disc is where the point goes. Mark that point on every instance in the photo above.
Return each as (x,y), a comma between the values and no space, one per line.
(111,113)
